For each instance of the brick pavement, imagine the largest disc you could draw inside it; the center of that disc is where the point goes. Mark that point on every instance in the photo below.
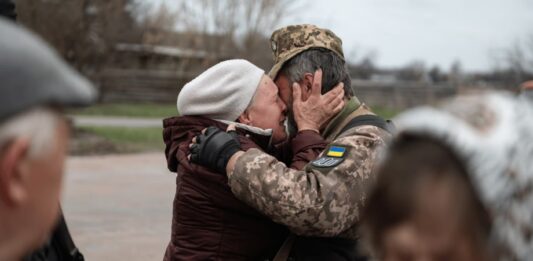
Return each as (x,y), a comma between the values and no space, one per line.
(119,207)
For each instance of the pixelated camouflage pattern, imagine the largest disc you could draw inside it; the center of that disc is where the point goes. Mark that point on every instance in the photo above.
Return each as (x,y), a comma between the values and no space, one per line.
(314,201)
(289,41)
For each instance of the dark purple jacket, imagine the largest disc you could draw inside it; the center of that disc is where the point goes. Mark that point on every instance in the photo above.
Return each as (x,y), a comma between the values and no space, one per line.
(209,222)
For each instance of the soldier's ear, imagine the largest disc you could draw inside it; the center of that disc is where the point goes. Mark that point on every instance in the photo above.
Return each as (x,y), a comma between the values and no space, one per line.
(307,85)
(308,81)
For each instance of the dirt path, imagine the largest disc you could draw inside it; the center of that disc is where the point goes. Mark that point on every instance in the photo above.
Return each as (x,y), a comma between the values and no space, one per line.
(119,207)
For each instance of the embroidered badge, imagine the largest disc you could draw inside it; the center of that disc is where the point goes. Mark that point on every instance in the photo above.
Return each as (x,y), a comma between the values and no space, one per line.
(336,151)
(326,162)
(334,156)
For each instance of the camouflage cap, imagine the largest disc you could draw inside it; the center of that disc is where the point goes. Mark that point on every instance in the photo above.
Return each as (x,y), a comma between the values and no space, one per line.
(289,41)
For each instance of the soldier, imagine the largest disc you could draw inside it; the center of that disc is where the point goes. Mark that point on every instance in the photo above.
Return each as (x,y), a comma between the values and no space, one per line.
(35,85)
(322,201)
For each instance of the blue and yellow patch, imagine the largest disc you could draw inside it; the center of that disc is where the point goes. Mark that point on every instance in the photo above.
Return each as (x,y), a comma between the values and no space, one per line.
(336,151)
(333,157)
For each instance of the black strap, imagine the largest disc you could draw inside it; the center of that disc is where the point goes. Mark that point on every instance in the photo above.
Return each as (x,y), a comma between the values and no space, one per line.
(59,247)
(285,249)
(369,119)
(62,236)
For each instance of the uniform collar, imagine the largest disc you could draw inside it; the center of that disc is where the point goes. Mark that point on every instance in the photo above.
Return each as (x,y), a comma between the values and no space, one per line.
(349,107)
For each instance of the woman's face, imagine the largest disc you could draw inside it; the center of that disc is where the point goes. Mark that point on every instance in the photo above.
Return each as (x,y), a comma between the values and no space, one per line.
(267,110)
(410,242)
(434,232)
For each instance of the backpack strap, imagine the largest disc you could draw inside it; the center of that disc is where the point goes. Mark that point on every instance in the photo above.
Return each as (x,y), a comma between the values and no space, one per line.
(369,119)
(285,249)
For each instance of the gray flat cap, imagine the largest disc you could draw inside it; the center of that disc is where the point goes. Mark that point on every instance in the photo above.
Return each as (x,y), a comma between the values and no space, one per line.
(32,74)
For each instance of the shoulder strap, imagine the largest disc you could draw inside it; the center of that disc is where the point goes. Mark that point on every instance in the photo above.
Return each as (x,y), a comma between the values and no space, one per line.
(369,119)
(285,249)
(62,237)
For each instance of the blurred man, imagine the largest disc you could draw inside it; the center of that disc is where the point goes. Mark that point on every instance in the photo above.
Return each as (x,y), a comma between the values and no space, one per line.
(34,85)
(322,201)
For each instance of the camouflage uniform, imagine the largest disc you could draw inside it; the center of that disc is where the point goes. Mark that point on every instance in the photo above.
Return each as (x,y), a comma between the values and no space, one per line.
(326,197)
(289,41)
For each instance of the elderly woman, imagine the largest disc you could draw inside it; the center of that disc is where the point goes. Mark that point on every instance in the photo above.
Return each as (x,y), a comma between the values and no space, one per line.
(457,183)
(209,222)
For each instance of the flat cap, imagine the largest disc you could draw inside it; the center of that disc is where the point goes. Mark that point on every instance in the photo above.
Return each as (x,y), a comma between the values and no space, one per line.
(289,41)
(32,74)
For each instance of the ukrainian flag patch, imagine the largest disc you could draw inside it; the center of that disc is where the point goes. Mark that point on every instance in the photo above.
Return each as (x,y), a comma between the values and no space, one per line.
(336,151)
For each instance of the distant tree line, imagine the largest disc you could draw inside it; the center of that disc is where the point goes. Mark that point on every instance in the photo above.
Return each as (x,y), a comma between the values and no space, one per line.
(85,32)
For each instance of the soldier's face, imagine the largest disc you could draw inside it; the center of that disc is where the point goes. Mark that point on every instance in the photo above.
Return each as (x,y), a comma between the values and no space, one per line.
(285,90)
(285,93)
(267,110)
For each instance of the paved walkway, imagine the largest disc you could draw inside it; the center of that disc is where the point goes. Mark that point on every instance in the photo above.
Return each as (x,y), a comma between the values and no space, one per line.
(116,121)
(119,207)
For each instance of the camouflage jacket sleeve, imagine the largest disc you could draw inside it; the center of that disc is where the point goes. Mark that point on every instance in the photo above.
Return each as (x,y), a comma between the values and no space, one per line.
(316,201)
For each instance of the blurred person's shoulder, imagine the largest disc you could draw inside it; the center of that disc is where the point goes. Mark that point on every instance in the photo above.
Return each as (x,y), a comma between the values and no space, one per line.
(485,111)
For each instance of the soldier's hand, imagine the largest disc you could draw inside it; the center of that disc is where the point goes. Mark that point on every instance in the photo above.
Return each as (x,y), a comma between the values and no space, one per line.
(213,148)
(313,113)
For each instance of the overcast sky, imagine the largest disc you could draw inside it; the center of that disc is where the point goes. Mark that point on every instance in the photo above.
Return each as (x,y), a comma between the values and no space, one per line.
(434,31)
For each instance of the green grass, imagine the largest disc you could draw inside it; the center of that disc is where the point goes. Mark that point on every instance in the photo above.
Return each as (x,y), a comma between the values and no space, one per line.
(386,113)
(126,140)
(160,111)
(129,139)
(143,110)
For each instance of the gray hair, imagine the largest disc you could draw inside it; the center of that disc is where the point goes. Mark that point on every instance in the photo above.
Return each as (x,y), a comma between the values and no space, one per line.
(38,125)
(334,69)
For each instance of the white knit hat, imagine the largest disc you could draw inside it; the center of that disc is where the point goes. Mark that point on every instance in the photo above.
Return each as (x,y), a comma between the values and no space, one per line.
(493,134)
(222,92)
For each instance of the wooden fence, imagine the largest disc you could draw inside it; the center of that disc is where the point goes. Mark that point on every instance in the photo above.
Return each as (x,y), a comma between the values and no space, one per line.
(403,95)
(164,86)
(142,85)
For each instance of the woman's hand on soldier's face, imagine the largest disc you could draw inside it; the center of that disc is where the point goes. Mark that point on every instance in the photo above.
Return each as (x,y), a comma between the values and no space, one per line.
(314,112)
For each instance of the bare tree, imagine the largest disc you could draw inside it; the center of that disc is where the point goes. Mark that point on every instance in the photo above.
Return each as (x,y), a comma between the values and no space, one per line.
(83,31)
(158,26)
(436,74)
(515,63)
(414,71)
(233,28)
